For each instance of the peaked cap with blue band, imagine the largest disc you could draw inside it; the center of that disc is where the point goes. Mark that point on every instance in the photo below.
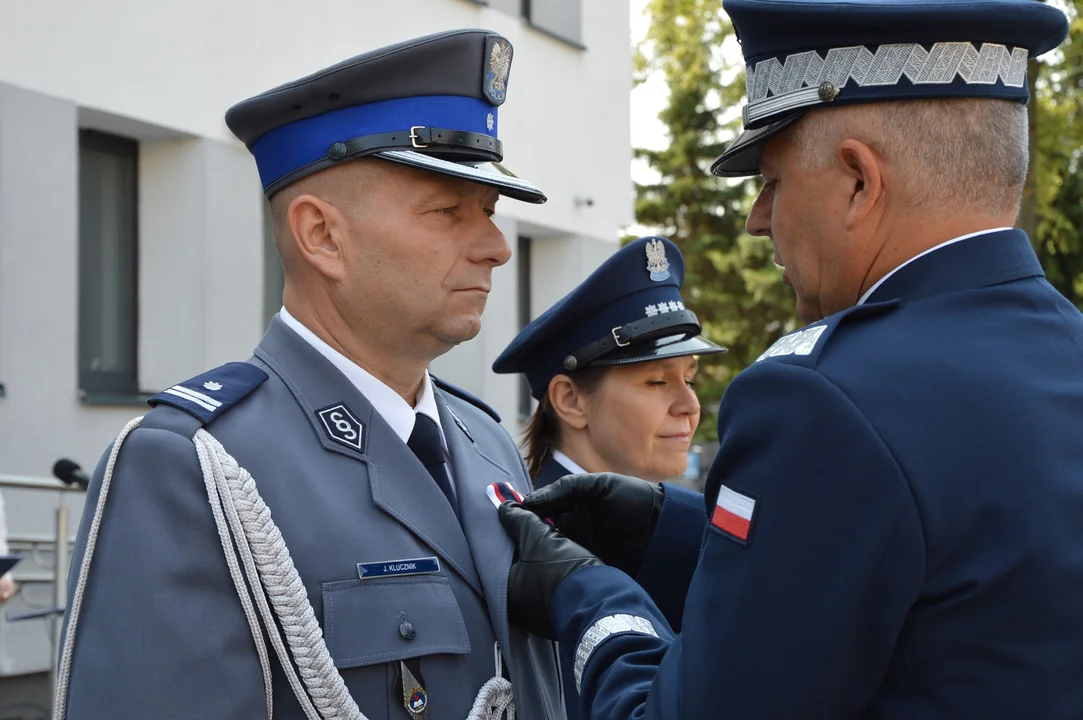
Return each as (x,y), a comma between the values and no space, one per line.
(430,103)
(628,311)
(805,54)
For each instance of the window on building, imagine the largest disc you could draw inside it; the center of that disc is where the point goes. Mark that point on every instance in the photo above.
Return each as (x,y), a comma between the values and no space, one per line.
(511,7)
(523,253)
(273,277)
(560,18)
(108,264)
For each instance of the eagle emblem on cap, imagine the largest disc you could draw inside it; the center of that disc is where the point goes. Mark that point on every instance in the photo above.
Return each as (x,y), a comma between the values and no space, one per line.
(657,264)
(496,76)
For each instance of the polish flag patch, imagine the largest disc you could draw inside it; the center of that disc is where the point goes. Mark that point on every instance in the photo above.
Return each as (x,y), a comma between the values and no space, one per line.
(733,514)
(502,492)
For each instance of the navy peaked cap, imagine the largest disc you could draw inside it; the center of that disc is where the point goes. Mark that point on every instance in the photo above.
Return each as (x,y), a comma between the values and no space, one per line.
(628,310)
(804,54)
(430,103)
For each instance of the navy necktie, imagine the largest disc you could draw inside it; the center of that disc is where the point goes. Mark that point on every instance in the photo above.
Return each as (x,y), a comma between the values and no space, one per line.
(426,445)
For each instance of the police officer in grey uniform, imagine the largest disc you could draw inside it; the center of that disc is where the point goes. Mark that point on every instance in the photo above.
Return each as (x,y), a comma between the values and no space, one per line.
(307,532)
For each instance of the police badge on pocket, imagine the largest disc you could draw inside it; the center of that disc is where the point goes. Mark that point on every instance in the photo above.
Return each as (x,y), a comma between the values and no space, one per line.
(414,697)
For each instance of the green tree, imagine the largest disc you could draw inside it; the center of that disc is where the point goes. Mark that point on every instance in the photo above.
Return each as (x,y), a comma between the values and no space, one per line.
(731,282)
(1056,173)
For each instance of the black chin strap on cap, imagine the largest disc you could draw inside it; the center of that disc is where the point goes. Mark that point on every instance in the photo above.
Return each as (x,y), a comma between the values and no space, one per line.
(455,144)
(671,323)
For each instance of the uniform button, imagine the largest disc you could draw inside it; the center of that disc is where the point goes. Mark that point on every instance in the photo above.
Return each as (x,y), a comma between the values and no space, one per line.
(828,91)
(337,151)
(407,631)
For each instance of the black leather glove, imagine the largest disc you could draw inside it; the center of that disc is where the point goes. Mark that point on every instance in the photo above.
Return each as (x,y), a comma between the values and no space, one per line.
(545,558)
(611,515)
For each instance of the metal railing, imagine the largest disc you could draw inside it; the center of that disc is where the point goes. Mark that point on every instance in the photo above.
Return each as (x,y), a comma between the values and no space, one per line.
(59,543)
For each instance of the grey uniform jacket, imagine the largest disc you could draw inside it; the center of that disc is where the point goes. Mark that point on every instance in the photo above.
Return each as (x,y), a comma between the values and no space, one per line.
(161,633)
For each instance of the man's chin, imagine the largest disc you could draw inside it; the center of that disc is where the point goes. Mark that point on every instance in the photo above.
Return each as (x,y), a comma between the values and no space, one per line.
(459,330)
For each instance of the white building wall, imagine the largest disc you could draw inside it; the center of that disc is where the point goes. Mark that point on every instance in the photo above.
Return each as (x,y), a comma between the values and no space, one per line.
(164,74)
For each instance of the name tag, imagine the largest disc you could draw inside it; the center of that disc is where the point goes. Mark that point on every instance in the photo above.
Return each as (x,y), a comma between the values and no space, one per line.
(393,568)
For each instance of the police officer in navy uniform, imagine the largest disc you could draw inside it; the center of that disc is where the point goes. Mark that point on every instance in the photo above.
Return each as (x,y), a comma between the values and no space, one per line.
(307,533)
(612,365)
(893,525)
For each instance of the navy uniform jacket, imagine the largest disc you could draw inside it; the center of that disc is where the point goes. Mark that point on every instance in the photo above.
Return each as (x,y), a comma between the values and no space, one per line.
(914,476)
(551,471)
(162,634)
(681,523)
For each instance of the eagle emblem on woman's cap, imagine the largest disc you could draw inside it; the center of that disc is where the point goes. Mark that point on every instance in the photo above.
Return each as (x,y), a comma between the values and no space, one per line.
(657,264)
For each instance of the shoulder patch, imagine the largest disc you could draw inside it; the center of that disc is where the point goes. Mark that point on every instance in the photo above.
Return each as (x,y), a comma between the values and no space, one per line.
(802,342)
(806,344)
(209,395)
(464,395)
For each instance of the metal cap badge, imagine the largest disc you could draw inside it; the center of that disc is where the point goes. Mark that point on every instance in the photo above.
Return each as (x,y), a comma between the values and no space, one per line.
(657,264)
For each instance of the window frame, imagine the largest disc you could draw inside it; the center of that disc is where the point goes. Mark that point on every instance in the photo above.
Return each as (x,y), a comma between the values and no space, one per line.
(527,15)
(100,386)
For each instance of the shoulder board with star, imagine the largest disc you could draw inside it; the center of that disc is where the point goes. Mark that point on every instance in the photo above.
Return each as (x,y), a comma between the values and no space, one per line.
(804,346)
(464,395)
(210,395)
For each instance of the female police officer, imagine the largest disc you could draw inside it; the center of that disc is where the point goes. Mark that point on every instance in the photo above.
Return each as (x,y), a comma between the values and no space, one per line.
(611,365)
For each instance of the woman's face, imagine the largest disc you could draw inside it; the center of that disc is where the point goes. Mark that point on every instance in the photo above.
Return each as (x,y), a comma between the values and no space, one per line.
(640,418)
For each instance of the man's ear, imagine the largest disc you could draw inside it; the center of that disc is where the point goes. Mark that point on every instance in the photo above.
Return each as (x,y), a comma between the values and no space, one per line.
(864,168)
(568,401)
(318,227)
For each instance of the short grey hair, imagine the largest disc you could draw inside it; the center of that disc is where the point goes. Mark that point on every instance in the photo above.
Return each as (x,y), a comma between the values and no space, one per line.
(953,153)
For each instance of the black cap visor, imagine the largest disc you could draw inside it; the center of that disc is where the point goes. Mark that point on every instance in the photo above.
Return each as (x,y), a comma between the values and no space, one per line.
(742,157)
(492,174)
(660,349)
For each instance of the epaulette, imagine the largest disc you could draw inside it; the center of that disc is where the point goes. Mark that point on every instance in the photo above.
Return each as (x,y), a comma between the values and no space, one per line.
(209,395)
(460,393)
(804,345)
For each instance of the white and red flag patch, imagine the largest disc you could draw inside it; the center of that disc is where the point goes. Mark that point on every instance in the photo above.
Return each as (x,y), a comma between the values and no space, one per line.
(733,513)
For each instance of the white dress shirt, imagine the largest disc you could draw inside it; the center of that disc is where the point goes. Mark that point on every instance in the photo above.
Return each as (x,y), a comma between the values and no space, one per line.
(570,465)
(388,403)
(880,282)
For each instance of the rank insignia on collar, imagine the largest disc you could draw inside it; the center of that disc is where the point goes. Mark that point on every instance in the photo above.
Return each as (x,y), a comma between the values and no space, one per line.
(497,69)
(657,264)
(342,426)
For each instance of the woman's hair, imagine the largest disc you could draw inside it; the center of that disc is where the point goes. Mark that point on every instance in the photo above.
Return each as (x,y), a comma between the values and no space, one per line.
(543,431)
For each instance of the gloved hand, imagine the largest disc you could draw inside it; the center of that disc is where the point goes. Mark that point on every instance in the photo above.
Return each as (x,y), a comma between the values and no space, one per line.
(545,558)
(611,515)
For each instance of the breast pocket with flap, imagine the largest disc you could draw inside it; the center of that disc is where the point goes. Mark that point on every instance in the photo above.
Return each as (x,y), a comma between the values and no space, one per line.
(362,620)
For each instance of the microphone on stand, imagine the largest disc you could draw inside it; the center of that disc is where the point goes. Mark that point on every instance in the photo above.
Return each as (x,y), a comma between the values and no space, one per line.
(69,472)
